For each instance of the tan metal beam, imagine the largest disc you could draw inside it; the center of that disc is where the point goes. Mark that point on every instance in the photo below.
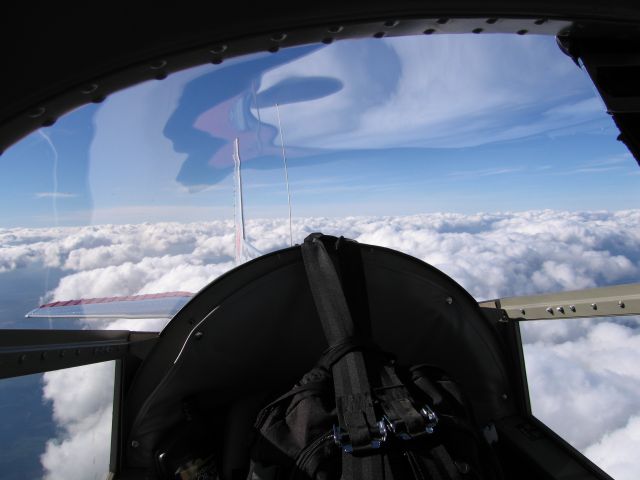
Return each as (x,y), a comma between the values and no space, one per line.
(593,302)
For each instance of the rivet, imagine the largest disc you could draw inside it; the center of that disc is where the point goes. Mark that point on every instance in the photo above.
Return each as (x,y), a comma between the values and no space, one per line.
(621,304)
(278,37)
(505,396)
(560,309)
(391,23)
(62,353)
(87,89)
(379,34)
(572,308)
(327,40)
(158,64)
(491,21)
(477,30)
(198,335)
(429,31)
(77,352)
(218,49)
(216,60)
(22,358)
(594,306)
(48,122)
(522,32)
(43,355)
(335,29)
(135,443)
(540,21)
(160,75)
(37,112)
(449,300)
(98,99)
(274,49)
(522,311)
(549,310)
(442,21)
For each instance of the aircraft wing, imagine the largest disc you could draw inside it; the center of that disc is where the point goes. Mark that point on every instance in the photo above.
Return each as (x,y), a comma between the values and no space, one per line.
(158,305)
(155,305)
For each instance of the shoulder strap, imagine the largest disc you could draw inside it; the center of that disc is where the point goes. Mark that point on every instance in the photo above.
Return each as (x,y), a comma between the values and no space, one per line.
(356,414)
(359,429)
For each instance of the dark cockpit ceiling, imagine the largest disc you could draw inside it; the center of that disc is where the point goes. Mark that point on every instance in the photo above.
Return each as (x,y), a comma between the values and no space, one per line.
(57,58)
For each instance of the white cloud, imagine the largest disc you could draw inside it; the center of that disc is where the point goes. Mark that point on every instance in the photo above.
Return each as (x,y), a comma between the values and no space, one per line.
(56,195)
(617,451)
(498,254)
(82,408)
(584,384)
(583,376)
(591,376)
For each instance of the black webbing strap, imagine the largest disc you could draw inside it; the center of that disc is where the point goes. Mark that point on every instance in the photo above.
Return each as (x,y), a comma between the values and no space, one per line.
(356,413)
(331,355)
(433,464)
(346,324)
(354,284)
(396,402)
(394,397)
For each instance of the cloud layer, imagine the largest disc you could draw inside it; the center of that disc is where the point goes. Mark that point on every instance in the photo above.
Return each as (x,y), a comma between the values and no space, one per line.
(491,255)
(82,408)
(584,384)
(583,377)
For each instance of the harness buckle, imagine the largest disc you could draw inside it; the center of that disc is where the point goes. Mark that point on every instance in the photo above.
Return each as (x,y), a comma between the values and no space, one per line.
(431,418)
(342,439)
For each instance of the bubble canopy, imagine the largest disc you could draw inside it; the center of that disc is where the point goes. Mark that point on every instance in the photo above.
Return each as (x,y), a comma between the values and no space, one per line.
(490,157)
(392,126)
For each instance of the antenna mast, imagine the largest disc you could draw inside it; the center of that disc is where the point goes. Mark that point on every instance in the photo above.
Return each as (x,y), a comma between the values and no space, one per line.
(238,210)
(286,174)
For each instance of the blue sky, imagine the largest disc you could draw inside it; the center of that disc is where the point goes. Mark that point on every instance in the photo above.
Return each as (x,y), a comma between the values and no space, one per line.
(393,126)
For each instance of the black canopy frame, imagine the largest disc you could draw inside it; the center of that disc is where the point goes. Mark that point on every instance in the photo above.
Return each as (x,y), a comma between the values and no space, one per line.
(58,58)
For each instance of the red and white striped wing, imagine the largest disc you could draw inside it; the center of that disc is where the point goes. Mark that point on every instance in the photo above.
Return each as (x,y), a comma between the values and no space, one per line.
(155,305)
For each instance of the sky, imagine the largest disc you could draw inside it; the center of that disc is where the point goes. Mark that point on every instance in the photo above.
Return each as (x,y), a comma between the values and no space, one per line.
(490,157)
(381,126)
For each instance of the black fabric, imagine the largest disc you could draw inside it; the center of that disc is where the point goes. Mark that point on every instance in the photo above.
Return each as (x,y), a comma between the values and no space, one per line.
(336,352)
(352,389)
(354,403)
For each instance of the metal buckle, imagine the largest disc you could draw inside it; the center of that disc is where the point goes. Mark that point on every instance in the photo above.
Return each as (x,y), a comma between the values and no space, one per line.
(431,418)
(394,429)
(342,439)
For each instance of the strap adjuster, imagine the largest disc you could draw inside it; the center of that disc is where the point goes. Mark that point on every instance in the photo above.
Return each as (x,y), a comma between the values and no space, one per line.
(399,429)
(343,440)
